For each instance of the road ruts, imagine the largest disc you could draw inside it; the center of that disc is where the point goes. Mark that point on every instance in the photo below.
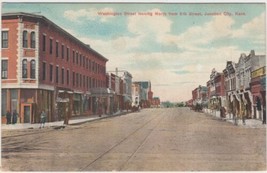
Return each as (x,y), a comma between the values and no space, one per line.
(170,139)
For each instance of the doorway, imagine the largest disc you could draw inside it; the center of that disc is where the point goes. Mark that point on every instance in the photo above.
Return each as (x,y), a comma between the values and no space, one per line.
(27,113)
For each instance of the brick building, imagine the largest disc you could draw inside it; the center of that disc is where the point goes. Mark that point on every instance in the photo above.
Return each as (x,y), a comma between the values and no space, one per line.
(216,90)
(46,68)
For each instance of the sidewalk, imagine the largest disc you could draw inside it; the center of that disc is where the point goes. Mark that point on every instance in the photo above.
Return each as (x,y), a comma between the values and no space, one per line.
(250,123)
(72,121)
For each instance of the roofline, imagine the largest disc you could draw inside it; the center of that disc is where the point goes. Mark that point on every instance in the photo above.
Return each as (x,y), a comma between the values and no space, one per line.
(41,17)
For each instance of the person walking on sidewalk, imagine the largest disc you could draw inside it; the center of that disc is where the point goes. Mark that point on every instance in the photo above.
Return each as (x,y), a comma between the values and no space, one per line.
(8,117)
(264,115)
(14,116)
(43,119)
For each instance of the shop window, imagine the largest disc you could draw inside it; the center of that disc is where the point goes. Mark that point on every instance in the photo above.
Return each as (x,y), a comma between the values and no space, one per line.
(4,102)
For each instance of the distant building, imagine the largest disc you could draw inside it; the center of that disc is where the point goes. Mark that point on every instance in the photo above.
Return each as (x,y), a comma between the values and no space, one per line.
(230,86)
(145,94)
(155,102)
(199,95)
(216,90)
(123,88)
(136,92)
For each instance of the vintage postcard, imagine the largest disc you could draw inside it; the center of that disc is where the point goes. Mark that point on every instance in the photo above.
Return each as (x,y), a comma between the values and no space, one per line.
(133,86)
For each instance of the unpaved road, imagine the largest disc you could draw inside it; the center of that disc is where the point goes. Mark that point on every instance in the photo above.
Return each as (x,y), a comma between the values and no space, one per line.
(174,139)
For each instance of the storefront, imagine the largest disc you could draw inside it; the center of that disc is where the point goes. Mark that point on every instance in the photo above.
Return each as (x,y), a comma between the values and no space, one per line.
(258,84)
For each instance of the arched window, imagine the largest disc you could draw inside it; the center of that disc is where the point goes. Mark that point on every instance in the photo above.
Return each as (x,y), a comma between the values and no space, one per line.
(32,39)
(24,68)
(25,39)
(32,69)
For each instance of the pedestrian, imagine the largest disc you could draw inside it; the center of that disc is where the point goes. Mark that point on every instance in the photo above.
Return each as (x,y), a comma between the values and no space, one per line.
(258,105)
(14,116)
(264,115)
(8,117)
(43,119)
(243,112)
(100,111)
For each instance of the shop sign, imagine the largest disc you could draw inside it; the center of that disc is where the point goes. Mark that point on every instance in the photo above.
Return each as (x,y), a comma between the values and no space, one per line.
(257,73)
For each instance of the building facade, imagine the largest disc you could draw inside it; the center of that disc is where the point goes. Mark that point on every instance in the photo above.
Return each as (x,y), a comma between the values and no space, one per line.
(146,93)
(46,68)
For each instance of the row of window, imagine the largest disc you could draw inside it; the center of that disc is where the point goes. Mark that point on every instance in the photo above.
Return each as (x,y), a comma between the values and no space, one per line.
(77,58)
(24,39)
(77,79)
(4,69)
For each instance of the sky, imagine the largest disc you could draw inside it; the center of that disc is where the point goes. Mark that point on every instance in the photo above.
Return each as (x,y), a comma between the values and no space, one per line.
(173,45)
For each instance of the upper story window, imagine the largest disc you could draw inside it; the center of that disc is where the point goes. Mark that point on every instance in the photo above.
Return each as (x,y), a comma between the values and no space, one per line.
(25,39)
(51,72)
(62,75)
(4,39)
(56,49)
(44,42)
(57,74)
(81,59)
(24,68)
(73,56)
(73,78)
(68,54)
(51,46)
(77,58)
(62,51)
(32,39)
(32,69)
(4,69)
(44,70)
(68,77)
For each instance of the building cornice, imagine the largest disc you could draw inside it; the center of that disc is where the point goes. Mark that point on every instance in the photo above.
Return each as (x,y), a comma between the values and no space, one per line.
(45,20)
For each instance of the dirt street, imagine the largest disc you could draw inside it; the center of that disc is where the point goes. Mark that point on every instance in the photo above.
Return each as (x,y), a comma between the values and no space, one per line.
(170,139)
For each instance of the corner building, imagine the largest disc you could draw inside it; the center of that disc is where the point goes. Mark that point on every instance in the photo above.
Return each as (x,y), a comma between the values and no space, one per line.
(46,68)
